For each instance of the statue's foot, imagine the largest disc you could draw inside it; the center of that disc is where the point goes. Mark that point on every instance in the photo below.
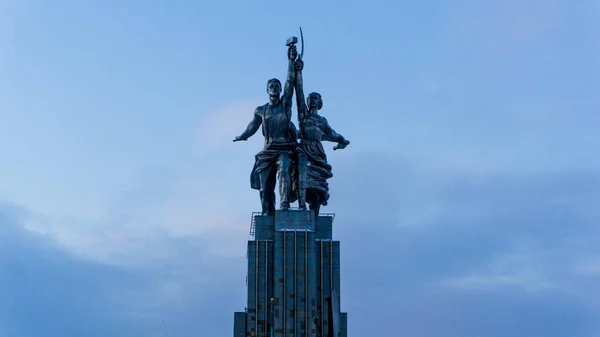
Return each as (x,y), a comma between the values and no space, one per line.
(268,210)
(285,206)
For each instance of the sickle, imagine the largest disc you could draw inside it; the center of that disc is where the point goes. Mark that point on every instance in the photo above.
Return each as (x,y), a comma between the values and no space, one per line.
(301,40)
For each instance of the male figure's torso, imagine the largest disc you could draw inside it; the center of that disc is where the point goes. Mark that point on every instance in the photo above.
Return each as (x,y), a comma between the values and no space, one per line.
(276,125)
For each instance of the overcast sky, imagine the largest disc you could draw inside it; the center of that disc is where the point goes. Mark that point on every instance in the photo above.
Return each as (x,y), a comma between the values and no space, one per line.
(467,204)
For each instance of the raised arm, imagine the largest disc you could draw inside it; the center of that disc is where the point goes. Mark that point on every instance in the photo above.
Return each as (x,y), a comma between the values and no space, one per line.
(300,99)
(252,127)
(288,90)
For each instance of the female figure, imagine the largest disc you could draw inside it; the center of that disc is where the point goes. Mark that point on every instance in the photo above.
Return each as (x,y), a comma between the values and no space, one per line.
(314,129)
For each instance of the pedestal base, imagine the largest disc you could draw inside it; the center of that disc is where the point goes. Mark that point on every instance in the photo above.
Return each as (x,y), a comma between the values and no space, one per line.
(293,278)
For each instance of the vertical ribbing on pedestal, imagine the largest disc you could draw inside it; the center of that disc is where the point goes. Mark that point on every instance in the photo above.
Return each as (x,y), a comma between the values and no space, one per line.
(293,271)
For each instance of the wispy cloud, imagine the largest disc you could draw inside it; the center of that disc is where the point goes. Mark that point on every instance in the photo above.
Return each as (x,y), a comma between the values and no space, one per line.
(71,295)
(512,271)
(493,240)
(466,204)
(218,128)
(484,237)
(589,266)
(507,25)
(145,218)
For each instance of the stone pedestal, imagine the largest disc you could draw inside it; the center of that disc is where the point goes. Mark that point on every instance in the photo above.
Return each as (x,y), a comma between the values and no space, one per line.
(293,278)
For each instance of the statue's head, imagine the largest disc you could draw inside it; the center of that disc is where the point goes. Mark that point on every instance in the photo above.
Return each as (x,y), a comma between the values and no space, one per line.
(274,87)
(314,100)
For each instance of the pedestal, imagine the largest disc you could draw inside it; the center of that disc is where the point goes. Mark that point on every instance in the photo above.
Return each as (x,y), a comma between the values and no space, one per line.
(293,278)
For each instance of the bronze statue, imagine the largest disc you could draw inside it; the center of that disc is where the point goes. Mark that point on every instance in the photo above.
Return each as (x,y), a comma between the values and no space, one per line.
(314,169)
(276,158)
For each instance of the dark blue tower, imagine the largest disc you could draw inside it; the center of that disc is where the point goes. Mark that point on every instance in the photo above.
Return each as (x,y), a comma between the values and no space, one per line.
(293,278)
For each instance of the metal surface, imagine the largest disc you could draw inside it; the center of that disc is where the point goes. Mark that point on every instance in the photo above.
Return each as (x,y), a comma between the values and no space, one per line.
(274,162)
(330,266)
(272,329)
(291,41)
(266,306)
(252,231)
(239,329)
(306,285)
(313,130)
(295,280)
(253,223)
(335,308)
(321,285)
(301,40)
(277,163)
(256,289)
(302,168)
(311,260)
(284,294)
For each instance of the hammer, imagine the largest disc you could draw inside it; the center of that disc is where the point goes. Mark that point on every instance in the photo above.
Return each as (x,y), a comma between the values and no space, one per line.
(291,41)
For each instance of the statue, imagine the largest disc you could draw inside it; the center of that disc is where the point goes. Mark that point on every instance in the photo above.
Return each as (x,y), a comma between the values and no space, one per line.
(275,161)
(314,169)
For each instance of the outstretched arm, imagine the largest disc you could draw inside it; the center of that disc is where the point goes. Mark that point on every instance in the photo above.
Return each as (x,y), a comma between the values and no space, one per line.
(288,90)
(333,136)
(252,127)
(300,100)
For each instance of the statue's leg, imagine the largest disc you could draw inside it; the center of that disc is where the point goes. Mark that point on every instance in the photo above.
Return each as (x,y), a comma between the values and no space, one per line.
(263,204)
(302,181)
(271,196)
(315,202)
(272,180)
(267,191)
(284,164)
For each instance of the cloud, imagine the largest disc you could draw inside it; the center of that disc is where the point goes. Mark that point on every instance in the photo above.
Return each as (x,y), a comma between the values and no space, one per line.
(487,226)
(449,253)
(505,25)
(424,252)
(588,267)
(40,281)
(505,271)
(217,129)
(425,247)
(68,295)
(137,228)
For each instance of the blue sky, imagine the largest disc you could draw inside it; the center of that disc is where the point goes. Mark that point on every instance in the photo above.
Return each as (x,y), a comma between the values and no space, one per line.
(467,203)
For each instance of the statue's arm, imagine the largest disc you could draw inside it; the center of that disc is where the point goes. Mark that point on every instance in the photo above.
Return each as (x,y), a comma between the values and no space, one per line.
(300,99)
(252,127)
(331,135)
(288,90)
(294,131)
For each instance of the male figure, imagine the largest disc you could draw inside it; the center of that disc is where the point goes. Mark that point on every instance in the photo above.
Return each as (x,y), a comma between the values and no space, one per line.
(313,129)
(280,141)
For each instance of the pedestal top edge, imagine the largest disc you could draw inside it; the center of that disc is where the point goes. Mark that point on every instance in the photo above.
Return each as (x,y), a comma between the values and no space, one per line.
(293,211)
